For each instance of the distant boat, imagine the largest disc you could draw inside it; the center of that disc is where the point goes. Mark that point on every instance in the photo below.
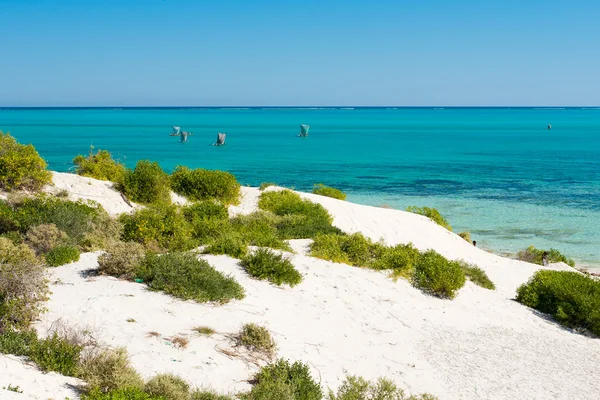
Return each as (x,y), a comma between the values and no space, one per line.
(304,130)
(549,126)
(182,134)
(220,139)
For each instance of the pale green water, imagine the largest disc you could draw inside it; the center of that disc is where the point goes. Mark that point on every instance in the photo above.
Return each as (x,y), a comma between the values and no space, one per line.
(497,172)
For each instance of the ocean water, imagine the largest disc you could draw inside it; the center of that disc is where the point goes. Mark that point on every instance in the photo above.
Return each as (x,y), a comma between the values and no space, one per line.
(497,172)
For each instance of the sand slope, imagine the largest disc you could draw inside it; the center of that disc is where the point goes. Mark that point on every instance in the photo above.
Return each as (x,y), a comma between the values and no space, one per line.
(341,319)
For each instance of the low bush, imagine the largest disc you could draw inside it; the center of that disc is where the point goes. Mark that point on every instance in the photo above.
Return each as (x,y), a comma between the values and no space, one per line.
(358,388)
(128,393)
(476,275)
(282,380)
(352,249)
(75,218)
(44,237)
(323,190)
(265,264)
(183,275)
(231,243)
(204,210)
(259,229)
(147,183)
(536,256)
(438,276)
(571,298)
(265,185)
(15,342)
(108,370)
(257,338)
(205,330)
(21,166)
(401,259)
(23,285)
(329,247)
(432,214)
(57,354)
(302,219)
(203,184)
(14,236)
(466,235)
(164,225)
(168,386)
(121,260)
(61,255)
(99,166)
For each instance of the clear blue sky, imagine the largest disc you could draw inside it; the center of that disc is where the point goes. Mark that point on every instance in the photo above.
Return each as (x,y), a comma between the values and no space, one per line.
(311,52)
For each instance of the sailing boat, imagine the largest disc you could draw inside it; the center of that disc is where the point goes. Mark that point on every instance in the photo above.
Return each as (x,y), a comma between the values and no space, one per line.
(182,134)
(220,139)
(304,130)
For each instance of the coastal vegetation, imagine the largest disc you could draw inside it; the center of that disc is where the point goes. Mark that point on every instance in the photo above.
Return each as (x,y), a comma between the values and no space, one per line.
(203,184)
(257,338)
(265,185)
(21,167)
(358,388)
(300,219)
(99,165)
(476,275)
(183,275)
(536,256)
(571,298)
(466,235)
(147,183)
(61,255)
(323,190)
(266,264)
(432,214)
(428,271)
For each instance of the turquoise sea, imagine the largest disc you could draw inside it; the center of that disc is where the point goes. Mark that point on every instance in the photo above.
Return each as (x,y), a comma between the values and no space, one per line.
(497,172)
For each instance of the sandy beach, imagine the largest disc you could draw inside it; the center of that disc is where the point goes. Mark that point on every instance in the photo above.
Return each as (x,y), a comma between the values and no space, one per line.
(340,320)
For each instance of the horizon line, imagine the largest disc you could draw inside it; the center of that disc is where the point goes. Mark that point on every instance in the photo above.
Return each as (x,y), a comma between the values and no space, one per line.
(296,106)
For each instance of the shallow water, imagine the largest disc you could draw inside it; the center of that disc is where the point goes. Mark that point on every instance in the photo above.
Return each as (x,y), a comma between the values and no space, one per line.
(498,172)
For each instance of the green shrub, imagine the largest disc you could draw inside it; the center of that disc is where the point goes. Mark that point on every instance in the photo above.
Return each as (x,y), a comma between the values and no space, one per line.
(536,256)
(357,388)
(121,260)
(203,184)
(282,380)
(329,247)
(571,298)
(432,214)
(323,190)
(209,395)
(12,388)
(21,167)
(183,275)
(401,259)
(205,330)
(15,342)
(108,370)
(14,236)
(205,210)
(476,275)
(265,185)
(259,229)
(44,237)
(265,264)
(466,235)
(147,183)
(168,386)
(257,338)
(61,255)
(438,276)
(302,219)
(352,249)
(99,166)
(76,219)
(129,393)
(55,354)
(23,286)
(162,225)
(231,243)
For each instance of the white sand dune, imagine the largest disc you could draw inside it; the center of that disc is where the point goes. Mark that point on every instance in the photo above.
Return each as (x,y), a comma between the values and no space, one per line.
(341,320)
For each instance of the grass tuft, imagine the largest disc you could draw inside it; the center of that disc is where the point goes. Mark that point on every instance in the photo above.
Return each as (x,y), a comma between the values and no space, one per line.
(265,264)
